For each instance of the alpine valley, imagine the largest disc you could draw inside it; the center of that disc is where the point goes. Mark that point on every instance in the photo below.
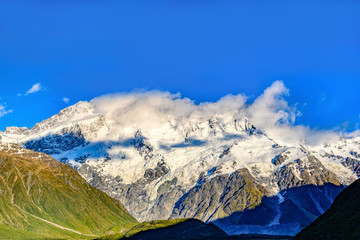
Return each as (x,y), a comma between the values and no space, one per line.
(196,162)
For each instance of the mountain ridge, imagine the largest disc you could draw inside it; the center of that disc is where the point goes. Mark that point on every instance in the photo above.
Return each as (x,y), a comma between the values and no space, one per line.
(158,162)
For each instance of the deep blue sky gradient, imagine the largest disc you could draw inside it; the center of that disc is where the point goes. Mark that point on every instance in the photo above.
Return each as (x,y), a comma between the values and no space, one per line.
(203,49)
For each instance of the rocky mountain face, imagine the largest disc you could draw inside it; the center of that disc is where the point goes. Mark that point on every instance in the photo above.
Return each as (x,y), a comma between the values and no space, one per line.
(211,168)
(41,198)
(62,132)
(220,196)
(302,172)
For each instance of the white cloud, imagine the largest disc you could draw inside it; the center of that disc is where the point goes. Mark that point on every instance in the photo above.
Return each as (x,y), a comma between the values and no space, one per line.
(270,112)
(154,108)
(35,88)
(3,110)
(66,100)
(271,108)
(273,115)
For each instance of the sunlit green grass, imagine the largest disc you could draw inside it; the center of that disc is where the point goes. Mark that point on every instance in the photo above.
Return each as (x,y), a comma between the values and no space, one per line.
(37,185)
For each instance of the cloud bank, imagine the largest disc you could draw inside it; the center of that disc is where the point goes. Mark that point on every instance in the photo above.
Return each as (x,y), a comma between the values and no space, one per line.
(155,108)
(270,112)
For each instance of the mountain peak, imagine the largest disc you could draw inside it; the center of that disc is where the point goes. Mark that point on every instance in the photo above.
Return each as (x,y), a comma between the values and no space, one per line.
(150,158)
(79,111)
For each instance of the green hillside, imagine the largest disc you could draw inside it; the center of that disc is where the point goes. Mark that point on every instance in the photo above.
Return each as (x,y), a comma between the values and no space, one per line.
(43,198)
(341,221)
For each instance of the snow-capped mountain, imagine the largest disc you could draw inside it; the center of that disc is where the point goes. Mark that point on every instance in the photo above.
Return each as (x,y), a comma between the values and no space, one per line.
(212,165)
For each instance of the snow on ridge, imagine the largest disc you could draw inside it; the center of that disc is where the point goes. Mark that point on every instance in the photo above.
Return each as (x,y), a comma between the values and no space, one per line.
(189,138)
(123,142)
(170,124)
(75,113)
(138,143)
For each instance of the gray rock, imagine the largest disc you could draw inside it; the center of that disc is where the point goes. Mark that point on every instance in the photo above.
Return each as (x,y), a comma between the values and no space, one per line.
(165,201)
(142,145)
(160,170)
(17,130)
(278,160)
(220,196)
(353,164)
(136,196)
(304,172)
(65,140)
(355,154)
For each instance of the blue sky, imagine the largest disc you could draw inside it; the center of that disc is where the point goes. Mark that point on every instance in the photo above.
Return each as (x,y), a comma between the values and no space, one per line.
(203,49)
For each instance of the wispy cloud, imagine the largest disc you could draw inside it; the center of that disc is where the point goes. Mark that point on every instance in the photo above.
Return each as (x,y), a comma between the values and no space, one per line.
(35,88)
(3,110)
(66,100)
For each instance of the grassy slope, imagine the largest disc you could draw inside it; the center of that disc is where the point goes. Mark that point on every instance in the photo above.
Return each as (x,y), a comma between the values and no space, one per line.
(341,221)
(37,231)
(34,186)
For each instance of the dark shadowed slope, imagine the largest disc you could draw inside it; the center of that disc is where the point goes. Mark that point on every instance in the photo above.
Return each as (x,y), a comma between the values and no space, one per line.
(341,221)
(171,229)
(182,229)
(286,213)
(43,198)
